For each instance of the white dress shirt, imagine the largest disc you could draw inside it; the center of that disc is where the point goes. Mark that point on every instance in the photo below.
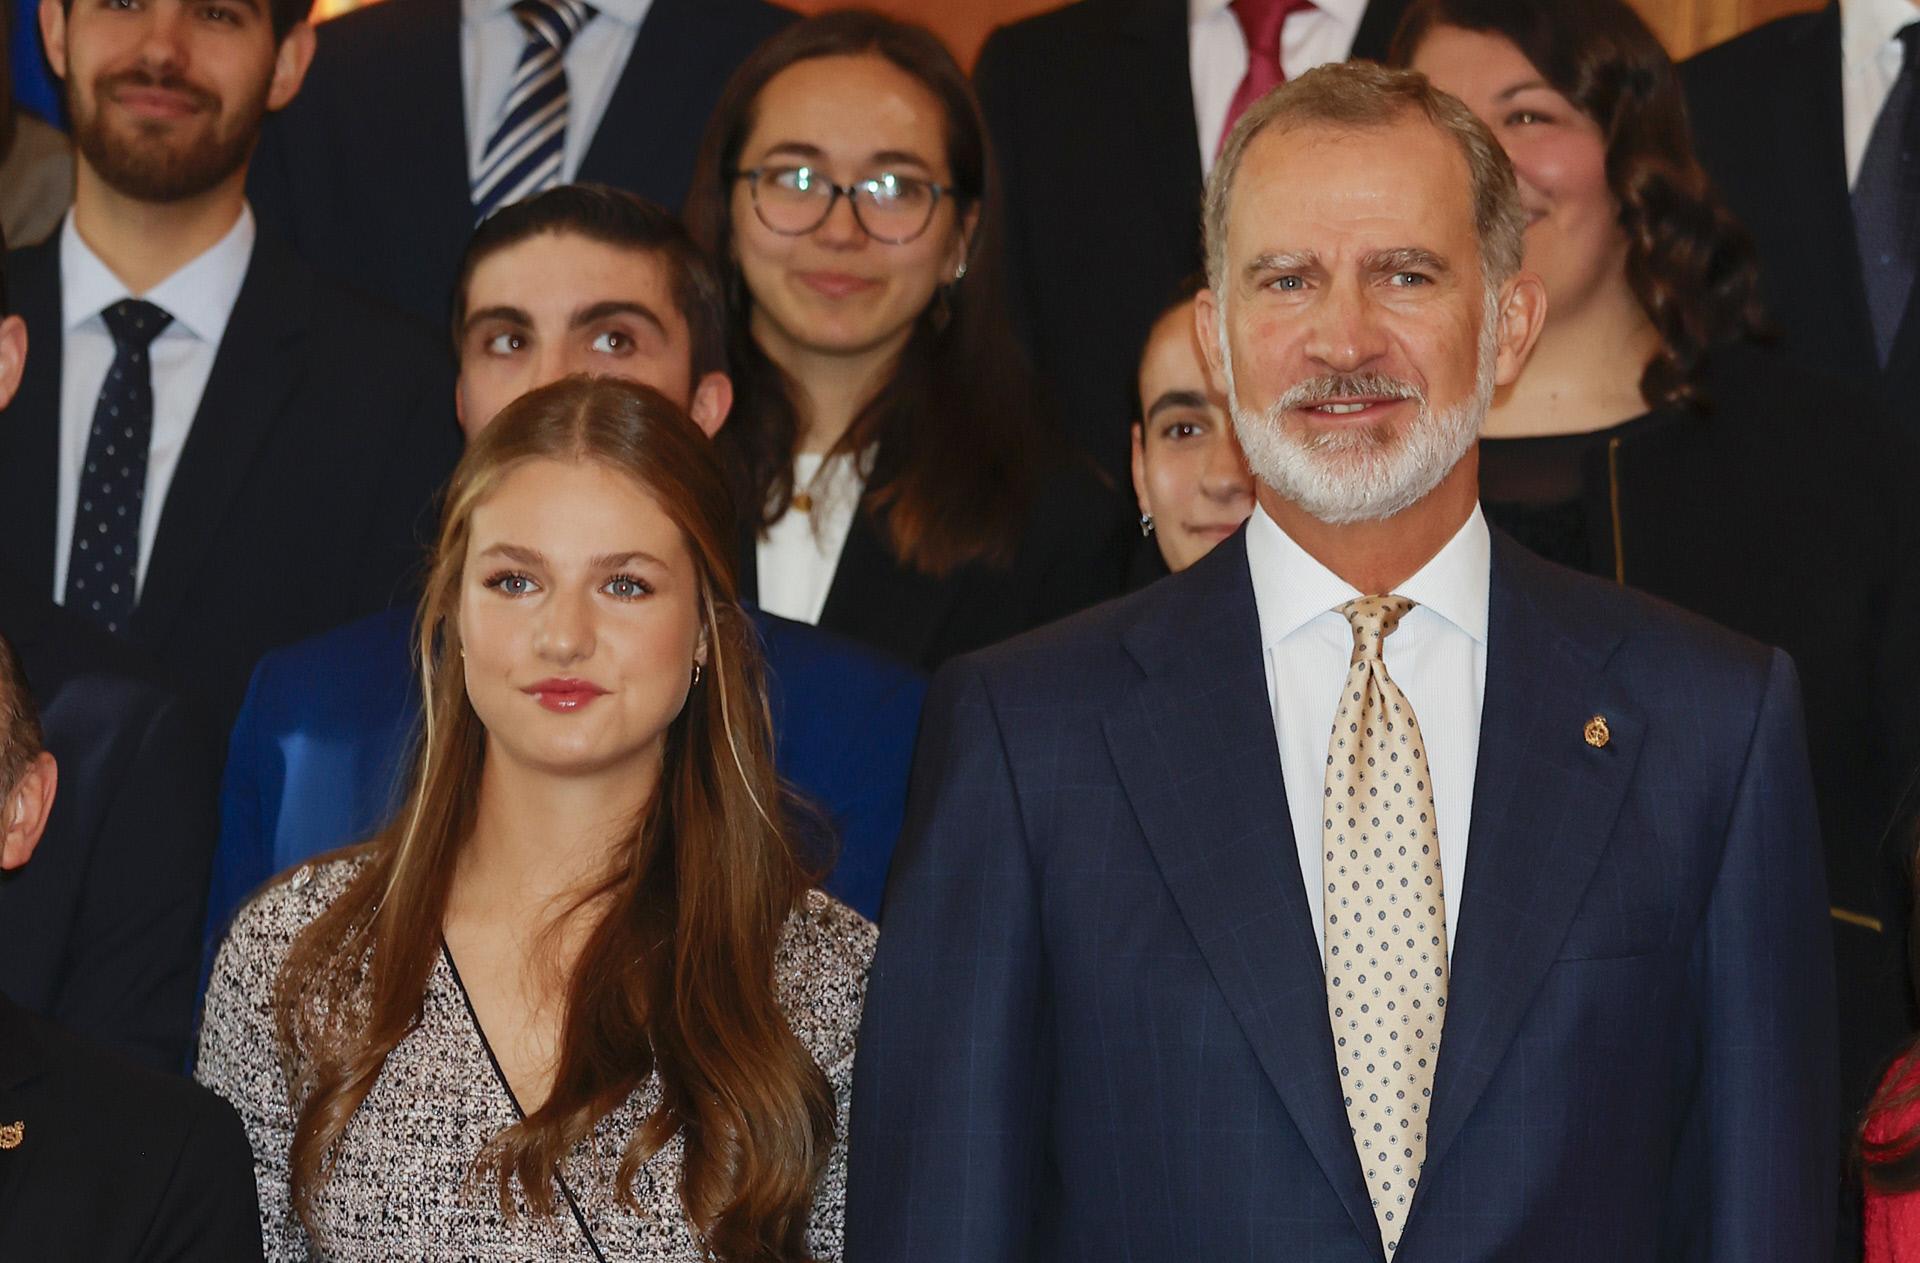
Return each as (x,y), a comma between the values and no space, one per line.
(491,42)
(1217,55)
(200,298)
(797,557)
(1870,56)
(1437,655)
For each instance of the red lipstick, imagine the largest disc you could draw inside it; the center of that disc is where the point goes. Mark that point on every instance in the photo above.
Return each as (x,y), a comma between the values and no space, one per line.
(564,694)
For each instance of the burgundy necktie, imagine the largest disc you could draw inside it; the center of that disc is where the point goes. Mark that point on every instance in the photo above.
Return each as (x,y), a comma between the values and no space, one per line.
(1261,21)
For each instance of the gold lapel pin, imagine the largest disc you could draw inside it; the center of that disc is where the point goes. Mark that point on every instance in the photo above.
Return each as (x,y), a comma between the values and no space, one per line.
(12,1134)
(1597,733)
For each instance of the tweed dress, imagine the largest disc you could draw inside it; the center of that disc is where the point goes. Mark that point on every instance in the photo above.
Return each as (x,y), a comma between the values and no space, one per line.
(401,1187)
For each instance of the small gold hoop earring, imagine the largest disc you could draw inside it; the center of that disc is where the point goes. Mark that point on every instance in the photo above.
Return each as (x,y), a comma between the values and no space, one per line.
(696,673)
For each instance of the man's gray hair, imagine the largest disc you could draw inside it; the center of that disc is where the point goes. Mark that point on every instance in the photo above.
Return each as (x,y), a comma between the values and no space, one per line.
(1360,94)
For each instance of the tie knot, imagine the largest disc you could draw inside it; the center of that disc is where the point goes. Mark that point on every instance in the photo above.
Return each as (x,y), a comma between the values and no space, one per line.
(1373,619)
(134,323)
(553,22)
(1261,21)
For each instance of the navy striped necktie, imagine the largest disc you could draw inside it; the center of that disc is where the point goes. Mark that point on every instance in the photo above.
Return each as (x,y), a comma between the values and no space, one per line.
(523,156)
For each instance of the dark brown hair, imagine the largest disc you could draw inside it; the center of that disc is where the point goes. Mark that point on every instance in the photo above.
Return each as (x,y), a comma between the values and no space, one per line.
(1691,265)
(611,217)
(957,429)
(678,975)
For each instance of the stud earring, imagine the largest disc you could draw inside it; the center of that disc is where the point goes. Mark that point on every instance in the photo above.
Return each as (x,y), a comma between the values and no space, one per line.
(960,273)
(1146,525)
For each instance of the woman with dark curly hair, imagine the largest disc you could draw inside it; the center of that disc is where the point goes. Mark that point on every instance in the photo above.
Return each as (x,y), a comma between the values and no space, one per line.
(1656,440)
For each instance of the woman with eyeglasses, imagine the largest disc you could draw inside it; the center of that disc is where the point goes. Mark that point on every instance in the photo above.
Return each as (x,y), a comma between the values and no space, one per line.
(899,480)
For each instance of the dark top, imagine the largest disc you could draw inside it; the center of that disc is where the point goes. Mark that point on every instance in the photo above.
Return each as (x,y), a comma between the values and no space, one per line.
(100,931)
(1544,490)
(104,1162)
(1786,513)
(1073,553)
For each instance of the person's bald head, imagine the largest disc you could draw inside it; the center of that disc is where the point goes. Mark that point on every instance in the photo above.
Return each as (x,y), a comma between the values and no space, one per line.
(28,774)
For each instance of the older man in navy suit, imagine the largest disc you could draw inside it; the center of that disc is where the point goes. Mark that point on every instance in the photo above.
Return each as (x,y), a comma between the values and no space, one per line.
(1370,890)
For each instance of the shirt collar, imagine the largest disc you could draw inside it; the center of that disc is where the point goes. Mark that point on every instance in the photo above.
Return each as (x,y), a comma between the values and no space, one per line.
(1868,26)
(1346,12)
(1291,588)
(625,12)
(199,297)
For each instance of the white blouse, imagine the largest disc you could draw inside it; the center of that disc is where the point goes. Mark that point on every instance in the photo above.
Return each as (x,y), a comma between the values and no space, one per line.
(799,553)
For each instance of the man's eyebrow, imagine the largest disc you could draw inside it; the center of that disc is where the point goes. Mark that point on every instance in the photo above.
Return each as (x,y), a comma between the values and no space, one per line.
(1176,399)
(1507,94)
(1284,261)
(500,312)
(1407,259)
(596,312)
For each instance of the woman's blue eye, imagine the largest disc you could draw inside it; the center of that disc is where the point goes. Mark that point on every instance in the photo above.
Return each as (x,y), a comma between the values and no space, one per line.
(628,588)
(512,583)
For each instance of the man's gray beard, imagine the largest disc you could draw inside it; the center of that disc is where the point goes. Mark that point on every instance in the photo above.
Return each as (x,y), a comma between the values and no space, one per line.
(1363,475)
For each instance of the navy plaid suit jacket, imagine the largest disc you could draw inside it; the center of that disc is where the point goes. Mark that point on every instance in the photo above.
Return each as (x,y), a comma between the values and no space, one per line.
(1097,1029)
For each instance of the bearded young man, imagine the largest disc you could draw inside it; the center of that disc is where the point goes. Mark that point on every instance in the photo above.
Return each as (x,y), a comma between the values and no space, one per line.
(1371,889)
(213,450)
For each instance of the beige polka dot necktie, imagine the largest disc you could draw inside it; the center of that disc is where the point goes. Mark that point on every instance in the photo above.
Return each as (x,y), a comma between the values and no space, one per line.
(1386,918)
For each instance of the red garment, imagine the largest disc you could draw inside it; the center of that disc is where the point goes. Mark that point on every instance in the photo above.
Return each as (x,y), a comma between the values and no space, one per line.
(1893,1219)
(1260,21)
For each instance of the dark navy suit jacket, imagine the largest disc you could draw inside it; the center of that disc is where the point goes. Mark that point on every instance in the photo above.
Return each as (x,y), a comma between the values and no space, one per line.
(324,741)
(1097,1028)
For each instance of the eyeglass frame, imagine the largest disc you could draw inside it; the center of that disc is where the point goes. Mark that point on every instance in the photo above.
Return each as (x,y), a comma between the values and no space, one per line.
(752,176)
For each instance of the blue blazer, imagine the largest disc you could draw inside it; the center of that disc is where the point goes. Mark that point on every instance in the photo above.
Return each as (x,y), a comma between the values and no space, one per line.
(324,743)
(1097,1024)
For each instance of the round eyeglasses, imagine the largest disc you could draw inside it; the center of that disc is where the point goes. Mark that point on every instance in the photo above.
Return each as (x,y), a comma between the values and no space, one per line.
(795,200)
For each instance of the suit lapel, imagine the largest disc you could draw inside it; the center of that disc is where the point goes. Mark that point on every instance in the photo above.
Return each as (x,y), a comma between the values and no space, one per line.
(1149,57)
(1544,805)
(877,600)
(440,106)
(1809,120)
(653,85)
(22,1059)
(1195,751)
(30,428)
(1371,40)
(254,373)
